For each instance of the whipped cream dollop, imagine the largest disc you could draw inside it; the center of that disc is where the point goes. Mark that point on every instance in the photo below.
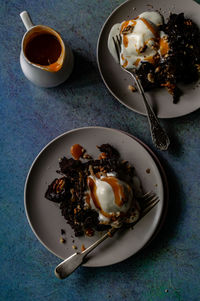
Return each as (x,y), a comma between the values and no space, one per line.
(112,198)
(141,40)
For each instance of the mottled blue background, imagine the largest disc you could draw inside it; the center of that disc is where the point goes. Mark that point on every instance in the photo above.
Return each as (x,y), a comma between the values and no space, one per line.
(30,117)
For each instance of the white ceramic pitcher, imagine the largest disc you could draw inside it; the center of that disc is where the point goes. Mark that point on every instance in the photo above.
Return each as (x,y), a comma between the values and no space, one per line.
(45,76)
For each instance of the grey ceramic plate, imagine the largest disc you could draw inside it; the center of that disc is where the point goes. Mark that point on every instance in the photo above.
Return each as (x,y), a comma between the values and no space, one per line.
(45,217)
(117,81)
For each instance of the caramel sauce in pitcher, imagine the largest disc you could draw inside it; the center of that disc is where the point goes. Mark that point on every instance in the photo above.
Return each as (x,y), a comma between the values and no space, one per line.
(43,49)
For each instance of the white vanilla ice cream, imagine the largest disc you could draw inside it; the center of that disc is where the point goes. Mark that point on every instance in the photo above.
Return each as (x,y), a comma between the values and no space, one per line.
(110,197)
(141,40)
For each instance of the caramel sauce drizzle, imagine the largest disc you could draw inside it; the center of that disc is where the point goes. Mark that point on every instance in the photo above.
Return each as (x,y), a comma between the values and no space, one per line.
(92,186)
(125,41)
(164,46)
(125,63)
(83,247)
(87,199)
(118,192)
(124,25)
(117,189)
(150,59)
(76,151)
(150,27)
(102,156)
(54,67)
(137,62)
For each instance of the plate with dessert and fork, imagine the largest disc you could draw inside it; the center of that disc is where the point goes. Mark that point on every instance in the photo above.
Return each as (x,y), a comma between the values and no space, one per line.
(159,42)
(78,188)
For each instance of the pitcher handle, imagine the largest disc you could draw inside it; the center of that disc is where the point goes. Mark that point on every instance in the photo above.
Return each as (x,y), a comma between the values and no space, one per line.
(26,19)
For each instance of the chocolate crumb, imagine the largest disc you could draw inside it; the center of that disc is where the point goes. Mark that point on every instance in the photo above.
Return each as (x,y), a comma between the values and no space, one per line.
(132,88)
(148,170)
(62,231)
(86,156)
(89,232)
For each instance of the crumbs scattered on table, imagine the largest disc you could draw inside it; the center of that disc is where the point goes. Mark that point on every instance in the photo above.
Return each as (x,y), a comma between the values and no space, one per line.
(74,247)
(148,170)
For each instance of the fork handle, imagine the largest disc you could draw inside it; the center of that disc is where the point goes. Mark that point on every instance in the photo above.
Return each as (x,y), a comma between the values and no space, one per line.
(69,265)
(158,134)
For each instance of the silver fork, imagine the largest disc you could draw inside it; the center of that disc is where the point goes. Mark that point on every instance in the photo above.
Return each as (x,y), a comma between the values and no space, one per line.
(158,134)
(69,265)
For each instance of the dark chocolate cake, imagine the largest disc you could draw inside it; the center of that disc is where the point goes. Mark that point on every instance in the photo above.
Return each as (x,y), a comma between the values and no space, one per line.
(69,190)
(181,64)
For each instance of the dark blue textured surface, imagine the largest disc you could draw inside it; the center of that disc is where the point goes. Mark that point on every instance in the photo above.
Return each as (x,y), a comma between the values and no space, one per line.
(30,117)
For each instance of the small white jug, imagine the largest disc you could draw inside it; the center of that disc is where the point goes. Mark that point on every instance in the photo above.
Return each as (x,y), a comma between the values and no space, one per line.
(45,75)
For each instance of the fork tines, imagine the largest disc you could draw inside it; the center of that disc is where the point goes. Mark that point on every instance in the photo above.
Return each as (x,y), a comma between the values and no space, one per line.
(150,205)
(117,42)
(148,195)
(150,201)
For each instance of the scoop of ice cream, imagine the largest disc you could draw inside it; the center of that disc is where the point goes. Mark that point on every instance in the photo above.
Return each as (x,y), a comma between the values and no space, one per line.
(141,40)
(109,196)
